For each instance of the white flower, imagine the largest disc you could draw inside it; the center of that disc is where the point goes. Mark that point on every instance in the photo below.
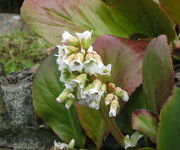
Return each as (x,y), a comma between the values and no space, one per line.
(114,108)
(64,75)
(75,62)
(108,99)
(69,39)
(94,104)
(71,144)
(125,96)
(84,35)
(122,94)
(90,50)
(132,140)
(93,93)
(93,65)
(63,96)
(66,36)
(69,103)
(76,81)
(85,39)
(61,146)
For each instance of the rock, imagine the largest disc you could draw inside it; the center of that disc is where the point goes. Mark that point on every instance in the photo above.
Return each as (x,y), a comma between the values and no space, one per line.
(11,22)
(20,128)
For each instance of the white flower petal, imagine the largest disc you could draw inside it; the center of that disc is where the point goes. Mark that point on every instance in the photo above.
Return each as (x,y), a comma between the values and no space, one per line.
(60,146)
(112,112)
(90,50)
(132,140)
(66,36)
(85,34)
(125,97)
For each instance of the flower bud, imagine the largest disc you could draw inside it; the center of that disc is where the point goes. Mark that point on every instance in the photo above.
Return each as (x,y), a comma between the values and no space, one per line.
(112,86)
(114,108)
(108,99)
(60,146)
(71,144)
(69,39)
(69,102)
(103,88)
(121,94)
(63,96)
(85,39)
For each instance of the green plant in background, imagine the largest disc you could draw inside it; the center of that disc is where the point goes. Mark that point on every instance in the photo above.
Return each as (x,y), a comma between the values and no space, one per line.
(21,49)
(143,68)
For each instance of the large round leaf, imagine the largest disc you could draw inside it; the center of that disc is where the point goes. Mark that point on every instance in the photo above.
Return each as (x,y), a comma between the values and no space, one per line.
(50,18)
(46,88)
(125,56)
(169,128)
(158,74)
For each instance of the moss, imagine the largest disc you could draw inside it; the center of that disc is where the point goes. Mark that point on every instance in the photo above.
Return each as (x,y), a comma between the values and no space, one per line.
(21,49)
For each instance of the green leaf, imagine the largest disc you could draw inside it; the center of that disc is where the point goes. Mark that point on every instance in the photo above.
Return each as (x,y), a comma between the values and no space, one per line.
(111,124)
(126,58)
(172,8)
(145,122)
(136,101)
(46,88)
(145,148)
(93,124)
(157,73)
(169,127)
(50,18)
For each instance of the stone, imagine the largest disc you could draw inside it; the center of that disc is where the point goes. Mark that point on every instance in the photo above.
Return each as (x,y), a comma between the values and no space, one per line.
(10,22)
(20,127)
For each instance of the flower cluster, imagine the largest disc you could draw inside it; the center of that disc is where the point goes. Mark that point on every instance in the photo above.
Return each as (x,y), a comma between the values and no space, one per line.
(61,146)
(81,70)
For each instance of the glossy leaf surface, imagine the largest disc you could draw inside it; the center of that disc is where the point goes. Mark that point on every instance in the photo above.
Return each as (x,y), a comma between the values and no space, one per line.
(45,90)
(125,56)
(92,123)
(158,74)
(50,18)
(169,128)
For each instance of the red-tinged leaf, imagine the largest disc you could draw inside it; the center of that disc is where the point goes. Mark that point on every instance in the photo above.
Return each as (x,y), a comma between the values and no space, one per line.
(169,128)
(92,123)
(158,74)
(145,122)
(125,56)
(172,8)
(50,18)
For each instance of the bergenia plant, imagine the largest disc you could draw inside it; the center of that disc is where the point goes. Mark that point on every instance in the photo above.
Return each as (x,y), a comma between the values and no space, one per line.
(109,83)
(82,71)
